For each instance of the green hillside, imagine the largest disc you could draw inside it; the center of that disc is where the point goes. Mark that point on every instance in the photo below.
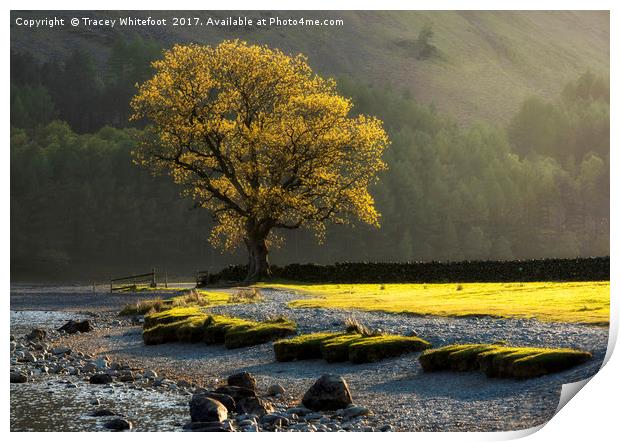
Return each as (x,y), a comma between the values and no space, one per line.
(483,64)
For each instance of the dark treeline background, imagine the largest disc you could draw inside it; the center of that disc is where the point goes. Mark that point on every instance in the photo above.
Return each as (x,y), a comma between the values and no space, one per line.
(536,187)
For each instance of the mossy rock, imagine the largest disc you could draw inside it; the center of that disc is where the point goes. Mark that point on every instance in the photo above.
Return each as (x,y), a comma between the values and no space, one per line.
(336,349)
(301,347)
(501,361)
(246,335)
(376,348)
(216,327)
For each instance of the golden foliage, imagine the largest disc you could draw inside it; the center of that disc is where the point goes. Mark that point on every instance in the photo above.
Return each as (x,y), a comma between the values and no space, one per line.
(257,138)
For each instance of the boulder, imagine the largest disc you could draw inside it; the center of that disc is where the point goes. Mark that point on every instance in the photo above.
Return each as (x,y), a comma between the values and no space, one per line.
(329,392)
(275,390)
(226,400)
(236,393)
(205,409)
(242,379)
(36,335)
(18,378)
(118,424)
(76,326)
(254,405)
(100,378)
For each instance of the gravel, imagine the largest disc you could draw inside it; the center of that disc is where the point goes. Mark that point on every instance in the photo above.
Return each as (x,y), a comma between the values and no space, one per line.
(399,394)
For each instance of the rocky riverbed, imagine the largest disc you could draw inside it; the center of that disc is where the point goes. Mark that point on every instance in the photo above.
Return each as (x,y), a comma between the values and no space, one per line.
(394,394)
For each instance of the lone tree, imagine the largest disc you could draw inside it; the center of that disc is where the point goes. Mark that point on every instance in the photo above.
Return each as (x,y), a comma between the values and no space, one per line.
(258,139)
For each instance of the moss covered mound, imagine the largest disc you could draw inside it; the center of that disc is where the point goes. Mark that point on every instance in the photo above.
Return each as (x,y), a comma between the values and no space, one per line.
(501,361)
(256,333)
(375,348)
(336,349)
(301,347)
(190,324)
(341,347)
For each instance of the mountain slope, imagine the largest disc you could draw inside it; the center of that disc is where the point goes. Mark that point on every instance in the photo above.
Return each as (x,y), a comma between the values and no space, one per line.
(486,62)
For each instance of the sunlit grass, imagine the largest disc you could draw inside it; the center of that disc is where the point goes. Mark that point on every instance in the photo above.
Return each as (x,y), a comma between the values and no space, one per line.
(581,302)
(193,297)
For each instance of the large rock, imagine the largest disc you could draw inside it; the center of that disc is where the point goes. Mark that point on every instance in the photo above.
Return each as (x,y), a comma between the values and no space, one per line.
(100,378)
(18,378)
(36,335)
(226,400)
(237,393)
(329,392)
(76,326)
(242,379)
(202,408)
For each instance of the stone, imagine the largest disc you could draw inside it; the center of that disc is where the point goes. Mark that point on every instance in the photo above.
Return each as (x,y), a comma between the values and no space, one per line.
(184,384)
(100,363)
(36,335)
(275,389)
(254,405)
(89,367)
(100,378)
(242,379)
(13,346)
(29,357)
(329,392)
(386,428)
(118,424)
(126,377)
(299,411)
(150,374)
(18,378)
(72,326)
(205,409)
(236,393)
(354,411)
(61,351)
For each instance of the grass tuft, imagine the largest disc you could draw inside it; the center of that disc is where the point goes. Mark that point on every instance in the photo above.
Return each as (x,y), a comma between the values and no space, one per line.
(301,347)
(501,361)
(376,348)
(340,347)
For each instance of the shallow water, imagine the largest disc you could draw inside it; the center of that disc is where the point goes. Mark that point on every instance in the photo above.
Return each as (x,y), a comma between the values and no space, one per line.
(48,405)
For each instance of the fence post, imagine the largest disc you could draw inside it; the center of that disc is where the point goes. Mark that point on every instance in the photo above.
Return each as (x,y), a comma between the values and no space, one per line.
(165,278)
(153,283)
(111,284)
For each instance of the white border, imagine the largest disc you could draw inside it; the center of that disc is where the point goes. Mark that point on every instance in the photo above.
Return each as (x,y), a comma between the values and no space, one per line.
(591,417)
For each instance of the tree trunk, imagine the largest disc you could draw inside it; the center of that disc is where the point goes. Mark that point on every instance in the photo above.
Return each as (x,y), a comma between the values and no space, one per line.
(258,262)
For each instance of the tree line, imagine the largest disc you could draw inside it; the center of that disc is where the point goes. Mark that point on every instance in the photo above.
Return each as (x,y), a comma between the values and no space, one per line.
(538,187)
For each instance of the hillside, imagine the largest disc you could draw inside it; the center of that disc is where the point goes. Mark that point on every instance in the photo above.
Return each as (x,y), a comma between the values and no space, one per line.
(483,66)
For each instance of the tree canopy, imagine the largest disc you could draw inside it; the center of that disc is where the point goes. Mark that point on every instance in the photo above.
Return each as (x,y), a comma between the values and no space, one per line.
(258,139)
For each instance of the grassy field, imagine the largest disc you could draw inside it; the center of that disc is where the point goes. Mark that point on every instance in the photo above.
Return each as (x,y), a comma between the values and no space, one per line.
(581,302)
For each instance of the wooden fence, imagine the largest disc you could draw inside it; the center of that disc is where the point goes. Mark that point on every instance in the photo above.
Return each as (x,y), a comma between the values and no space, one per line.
(133,281)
